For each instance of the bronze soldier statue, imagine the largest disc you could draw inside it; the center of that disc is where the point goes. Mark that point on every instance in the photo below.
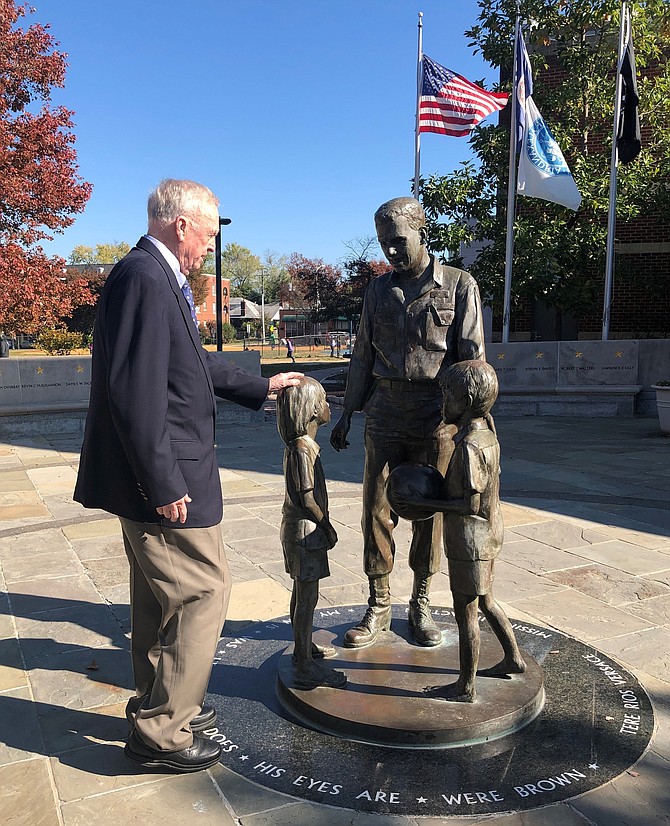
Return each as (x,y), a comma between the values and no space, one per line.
(416,321)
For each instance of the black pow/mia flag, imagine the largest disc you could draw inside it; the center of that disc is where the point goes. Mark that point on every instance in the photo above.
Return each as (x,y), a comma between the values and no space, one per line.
(628,134)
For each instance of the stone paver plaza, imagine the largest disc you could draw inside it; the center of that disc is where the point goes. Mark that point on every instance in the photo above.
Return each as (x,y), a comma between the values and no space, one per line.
(587,552)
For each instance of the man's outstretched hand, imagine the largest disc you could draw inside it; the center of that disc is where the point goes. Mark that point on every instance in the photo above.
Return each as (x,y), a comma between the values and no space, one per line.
(282,380)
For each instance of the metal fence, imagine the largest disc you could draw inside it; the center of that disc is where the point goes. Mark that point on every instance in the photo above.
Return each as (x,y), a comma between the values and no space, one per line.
(304,346)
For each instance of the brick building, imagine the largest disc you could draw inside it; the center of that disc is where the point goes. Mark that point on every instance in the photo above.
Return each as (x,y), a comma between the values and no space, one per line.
(206,311)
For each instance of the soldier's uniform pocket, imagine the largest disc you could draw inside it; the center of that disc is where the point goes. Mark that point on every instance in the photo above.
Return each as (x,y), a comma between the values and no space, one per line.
(437,321)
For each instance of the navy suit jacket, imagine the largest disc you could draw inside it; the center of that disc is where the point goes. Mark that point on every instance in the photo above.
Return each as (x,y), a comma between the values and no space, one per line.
(149,437)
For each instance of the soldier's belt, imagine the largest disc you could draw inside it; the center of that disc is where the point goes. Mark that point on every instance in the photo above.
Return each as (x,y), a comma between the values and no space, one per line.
(405,386)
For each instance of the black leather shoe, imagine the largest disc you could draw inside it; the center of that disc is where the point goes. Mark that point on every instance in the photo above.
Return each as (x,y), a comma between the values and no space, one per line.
(203,754)
(203,720)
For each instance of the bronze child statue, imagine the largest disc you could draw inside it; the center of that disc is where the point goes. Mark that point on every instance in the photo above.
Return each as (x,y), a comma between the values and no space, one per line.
(472,522)
(306,531)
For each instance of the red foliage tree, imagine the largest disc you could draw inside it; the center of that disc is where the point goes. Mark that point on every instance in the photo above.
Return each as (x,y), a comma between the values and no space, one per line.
(39,185)
(315,286)
(361,272)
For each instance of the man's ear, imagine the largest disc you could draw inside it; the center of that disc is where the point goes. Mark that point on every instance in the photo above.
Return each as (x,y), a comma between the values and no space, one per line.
(423,234)
(180,227)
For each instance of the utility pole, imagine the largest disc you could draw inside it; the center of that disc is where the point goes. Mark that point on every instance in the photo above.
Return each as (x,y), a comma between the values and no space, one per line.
(318,303)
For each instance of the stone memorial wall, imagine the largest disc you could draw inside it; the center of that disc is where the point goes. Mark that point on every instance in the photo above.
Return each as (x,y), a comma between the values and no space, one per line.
(597,364)
(46,394)
(31,384)
(594,378)
(524,366)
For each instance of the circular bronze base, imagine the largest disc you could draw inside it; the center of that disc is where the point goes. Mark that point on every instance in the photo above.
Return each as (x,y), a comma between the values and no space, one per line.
(389,697)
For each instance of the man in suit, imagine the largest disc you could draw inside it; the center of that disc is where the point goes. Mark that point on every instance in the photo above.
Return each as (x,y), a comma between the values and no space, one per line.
(149,457)
(416,321)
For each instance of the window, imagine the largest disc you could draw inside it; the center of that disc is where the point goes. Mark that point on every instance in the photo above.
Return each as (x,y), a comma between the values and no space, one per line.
(213,307)
(213,289)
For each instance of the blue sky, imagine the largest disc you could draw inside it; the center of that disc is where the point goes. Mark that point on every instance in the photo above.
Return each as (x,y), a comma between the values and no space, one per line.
(299,115)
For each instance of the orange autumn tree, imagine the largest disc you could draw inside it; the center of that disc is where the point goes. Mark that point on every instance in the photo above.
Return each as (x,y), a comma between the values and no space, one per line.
(40,189)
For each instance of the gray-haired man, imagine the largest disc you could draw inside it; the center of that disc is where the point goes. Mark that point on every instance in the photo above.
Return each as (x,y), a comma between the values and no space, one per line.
(148,457)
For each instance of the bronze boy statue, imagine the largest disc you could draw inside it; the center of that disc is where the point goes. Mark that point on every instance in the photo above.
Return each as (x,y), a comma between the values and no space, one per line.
(472,522)
(306,531)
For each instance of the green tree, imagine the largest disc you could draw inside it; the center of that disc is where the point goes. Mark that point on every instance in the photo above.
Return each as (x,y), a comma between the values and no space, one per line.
(242,268)
(559,255)
(248,274)
(275,276)
(101,254)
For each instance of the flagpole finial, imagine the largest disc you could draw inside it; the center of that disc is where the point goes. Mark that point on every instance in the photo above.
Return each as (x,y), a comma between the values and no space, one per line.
(420,18)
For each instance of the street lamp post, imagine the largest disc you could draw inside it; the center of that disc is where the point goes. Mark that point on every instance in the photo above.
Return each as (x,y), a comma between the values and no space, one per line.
(317,303)
(263,303)
(223,222)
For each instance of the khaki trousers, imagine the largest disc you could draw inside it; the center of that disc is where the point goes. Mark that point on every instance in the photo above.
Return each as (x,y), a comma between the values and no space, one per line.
(179,592)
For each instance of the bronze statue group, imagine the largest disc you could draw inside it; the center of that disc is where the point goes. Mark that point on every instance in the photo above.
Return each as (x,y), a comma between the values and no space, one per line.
(418,372)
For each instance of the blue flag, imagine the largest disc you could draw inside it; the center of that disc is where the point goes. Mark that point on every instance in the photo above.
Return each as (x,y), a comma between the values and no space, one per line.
(543,172)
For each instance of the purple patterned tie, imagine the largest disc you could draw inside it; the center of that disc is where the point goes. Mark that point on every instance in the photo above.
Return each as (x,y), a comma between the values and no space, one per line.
(188,295)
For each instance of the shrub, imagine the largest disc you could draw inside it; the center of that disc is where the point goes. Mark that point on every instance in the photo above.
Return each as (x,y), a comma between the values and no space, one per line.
(59,342)
(228,332)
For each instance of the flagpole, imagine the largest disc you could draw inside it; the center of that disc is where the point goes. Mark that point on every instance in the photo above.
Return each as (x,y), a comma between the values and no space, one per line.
(417,134)
(611,214)
(511,191)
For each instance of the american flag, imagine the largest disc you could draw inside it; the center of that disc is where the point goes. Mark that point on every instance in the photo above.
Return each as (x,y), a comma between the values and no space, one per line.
(452,105)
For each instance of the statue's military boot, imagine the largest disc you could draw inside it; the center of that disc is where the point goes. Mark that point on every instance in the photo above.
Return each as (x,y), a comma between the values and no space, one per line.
(377,618)
(420,620)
